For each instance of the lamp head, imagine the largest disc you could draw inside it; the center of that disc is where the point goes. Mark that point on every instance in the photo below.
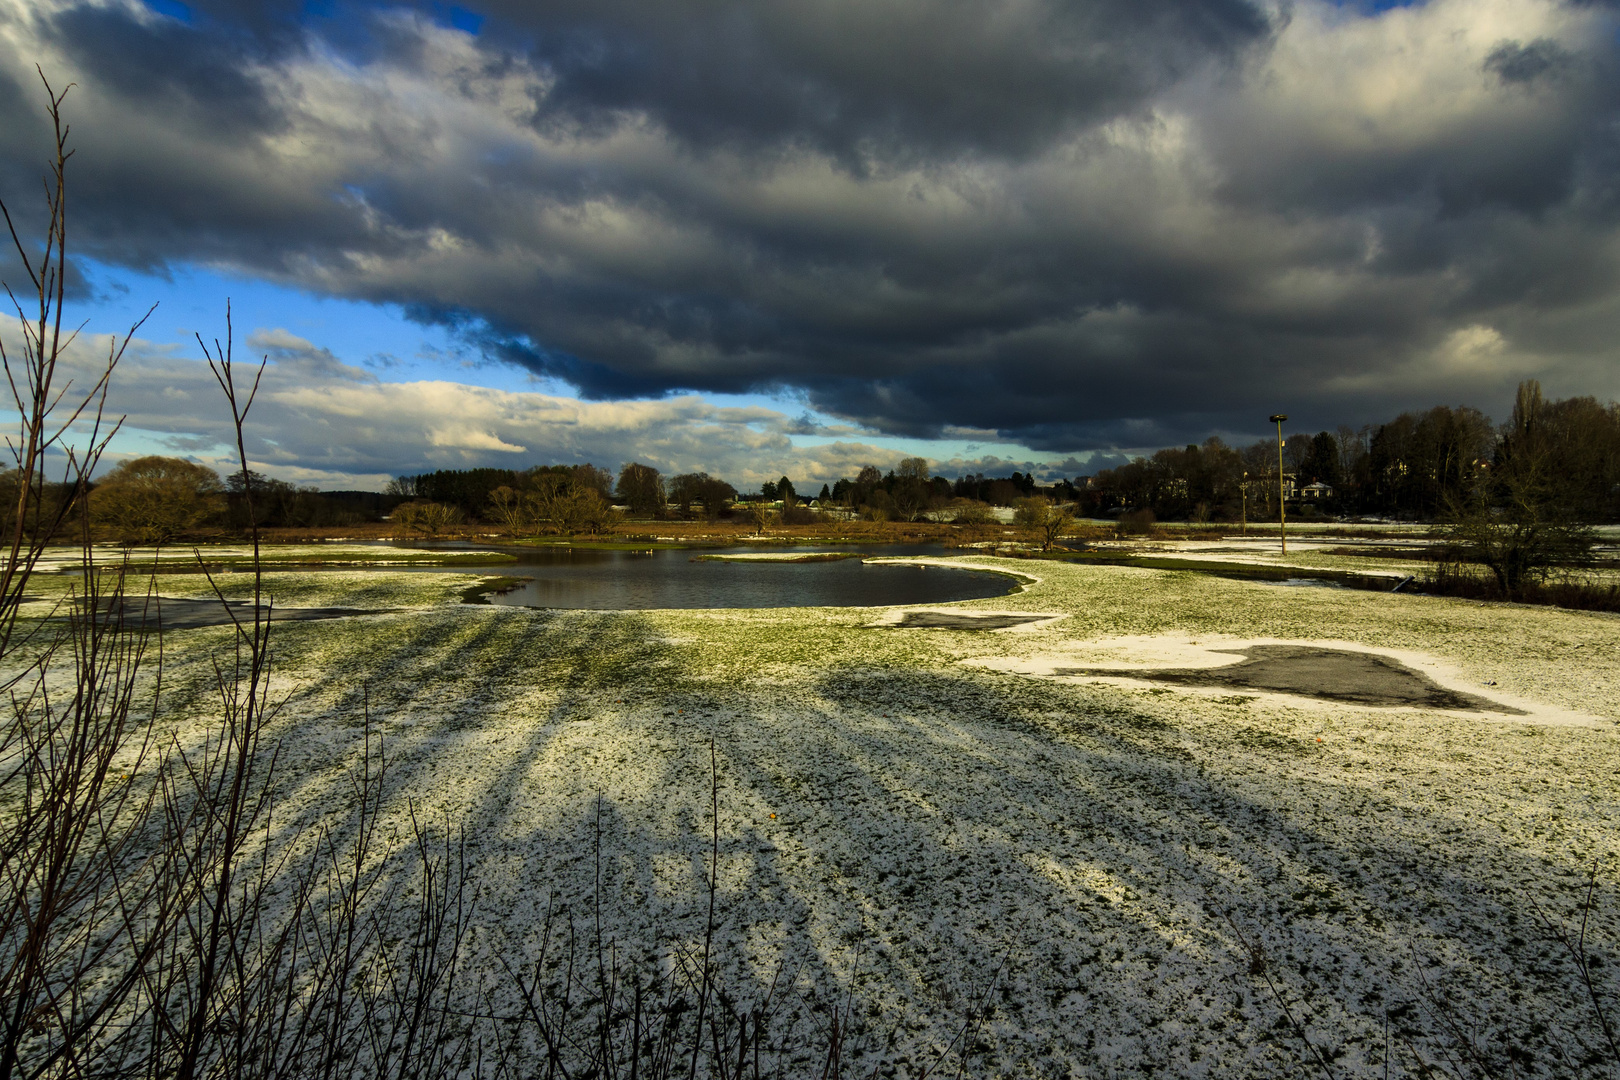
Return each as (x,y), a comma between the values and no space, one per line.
(1278,418)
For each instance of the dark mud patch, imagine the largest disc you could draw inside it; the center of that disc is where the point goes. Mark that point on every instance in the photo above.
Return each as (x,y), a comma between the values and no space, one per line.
(963,620)
(493,586)
(170,613)
(1356,678)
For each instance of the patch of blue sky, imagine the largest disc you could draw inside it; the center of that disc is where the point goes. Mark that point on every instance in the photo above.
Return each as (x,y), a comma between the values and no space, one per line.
(378,337)
(1372,7)
(461,18)
(174,9)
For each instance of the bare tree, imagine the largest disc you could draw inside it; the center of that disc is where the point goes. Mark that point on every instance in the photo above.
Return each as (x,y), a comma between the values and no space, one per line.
(1046,520)
(81,910)
(509,508)
(135,937)
(911,492)
(762,514)
(570,500)
(402,486)
(1518,517)
(154,499)
(423,518)
(641,488)
(689,488)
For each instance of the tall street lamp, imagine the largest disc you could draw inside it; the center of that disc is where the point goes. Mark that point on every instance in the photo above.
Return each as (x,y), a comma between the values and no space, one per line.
(1244,494)
(1282,512)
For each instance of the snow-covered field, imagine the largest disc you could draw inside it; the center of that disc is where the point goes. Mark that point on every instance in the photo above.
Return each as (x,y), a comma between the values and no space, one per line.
(924,819)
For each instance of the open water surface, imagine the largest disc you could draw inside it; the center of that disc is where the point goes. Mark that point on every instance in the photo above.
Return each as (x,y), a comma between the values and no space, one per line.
(677,578)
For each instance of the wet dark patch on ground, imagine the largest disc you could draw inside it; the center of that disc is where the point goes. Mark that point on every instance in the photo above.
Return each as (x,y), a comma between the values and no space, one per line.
(170,613)
(964,620)
(1356,678)
(491,586)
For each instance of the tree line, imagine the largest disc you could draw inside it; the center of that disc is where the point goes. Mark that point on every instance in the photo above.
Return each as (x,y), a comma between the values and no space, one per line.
(155,499)
(908,492)
(1420,466)
(580,498)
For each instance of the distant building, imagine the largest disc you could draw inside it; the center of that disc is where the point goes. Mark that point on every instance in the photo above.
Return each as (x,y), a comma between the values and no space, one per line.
(1316,492)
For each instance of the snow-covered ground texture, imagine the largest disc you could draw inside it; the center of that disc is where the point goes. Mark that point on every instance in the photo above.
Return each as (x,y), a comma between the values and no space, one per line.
(182,558)
(1400,553)
(916,821)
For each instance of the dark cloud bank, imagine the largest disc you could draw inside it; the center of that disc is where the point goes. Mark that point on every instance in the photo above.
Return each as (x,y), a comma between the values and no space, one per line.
(1117,223)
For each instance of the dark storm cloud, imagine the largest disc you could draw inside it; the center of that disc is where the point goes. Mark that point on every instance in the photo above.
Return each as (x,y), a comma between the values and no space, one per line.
(162,66)
(1080,226)
(1516,63)
(885,76)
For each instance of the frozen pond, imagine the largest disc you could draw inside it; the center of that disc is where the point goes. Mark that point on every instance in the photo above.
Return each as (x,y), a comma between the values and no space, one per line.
(682,578)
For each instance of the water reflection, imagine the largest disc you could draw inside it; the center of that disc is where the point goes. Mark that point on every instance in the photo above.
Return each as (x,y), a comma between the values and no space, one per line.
(632,580)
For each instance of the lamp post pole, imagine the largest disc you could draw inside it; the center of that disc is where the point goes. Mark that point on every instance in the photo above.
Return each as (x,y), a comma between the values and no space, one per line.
(1282,510)
(1244,495)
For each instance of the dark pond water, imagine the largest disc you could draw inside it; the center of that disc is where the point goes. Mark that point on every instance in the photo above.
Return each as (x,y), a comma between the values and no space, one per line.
(631,580)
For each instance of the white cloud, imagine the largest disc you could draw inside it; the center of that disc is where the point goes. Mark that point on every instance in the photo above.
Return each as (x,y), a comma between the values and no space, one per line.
(334,425)
(1473,350)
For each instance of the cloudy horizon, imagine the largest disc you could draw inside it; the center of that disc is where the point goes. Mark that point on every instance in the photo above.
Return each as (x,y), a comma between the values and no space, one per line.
(798,237)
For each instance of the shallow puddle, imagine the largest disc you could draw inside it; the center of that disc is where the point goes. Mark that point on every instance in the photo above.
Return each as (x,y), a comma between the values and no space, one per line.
(1356,678)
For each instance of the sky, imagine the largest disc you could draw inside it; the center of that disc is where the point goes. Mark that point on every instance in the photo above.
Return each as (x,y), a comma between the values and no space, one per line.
(768,237)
